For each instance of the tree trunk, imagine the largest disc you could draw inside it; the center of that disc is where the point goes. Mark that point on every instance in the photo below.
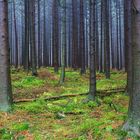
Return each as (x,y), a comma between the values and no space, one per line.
(97,38)
(63,63)
(39,39)
(107,45)
(26,47)
(5,81)
(101,48)
(92,90)
(133,122)
(82,38)
(16,36)
(127,42)
(55,35)
(117,37)
(45,47)
(74,35)
(32,36)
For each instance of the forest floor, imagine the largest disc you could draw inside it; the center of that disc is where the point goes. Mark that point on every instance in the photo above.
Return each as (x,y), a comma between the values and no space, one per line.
(65,119)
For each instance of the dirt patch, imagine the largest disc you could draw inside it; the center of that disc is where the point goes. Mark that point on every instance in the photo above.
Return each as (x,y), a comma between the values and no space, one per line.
(96,114)
(99,76)
(36,92)
(47,75)
(29,93)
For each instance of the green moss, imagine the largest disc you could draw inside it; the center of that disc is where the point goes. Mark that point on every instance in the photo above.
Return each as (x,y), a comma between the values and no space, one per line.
(81,119)
(92,125)
(92,104)
(15,128)
(33,107)
(5,134)
(107,100)
(20,126)
(54,108)
(110,84)
(29,81)
(72,106)
(109,128)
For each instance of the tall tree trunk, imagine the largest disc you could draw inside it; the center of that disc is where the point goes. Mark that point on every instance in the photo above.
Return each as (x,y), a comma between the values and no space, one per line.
(97,38)
(127,42)
(117,37)
(63,63)
(133,121)
(92,90)
(120,36)
(32,36)
(111,36)
(45,49)
(26,47)
(23,37)
(82,38)
(5,81)
(101,48)
(16,36)
(11,31)
(74,35)
(55,35)
(39,44)
(107,44)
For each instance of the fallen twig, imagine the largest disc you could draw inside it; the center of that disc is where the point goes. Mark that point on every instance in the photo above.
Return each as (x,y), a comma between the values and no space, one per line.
(101,93)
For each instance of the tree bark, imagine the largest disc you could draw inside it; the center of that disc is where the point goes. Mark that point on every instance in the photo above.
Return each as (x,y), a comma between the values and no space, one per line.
(92,90)
(82,38)
(74,35)
(16,36)
(127,41)
(45,47)
(5,81)
(39,39)
(107,44)
(55,35)
(26,47)
(133,121)
(32,36)
(63,63)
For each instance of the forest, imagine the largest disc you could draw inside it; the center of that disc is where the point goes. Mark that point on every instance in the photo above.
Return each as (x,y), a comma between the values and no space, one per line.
(69,70)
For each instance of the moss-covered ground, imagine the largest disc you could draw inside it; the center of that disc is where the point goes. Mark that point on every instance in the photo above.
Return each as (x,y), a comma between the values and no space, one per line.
(65,119)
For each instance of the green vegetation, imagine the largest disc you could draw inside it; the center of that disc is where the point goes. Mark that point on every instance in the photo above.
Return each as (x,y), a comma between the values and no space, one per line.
(16,130)
(27,82)
(64,119)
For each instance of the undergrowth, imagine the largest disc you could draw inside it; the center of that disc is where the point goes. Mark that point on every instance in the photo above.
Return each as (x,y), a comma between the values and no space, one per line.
(28,81)
(65,119)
